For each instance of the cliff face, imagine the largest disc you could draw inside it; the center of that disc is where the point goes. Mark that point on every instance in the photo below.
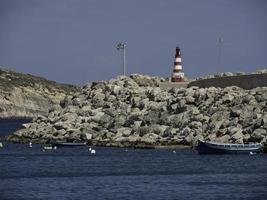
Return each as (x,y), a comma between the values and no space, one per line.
(134,111)
(27,96)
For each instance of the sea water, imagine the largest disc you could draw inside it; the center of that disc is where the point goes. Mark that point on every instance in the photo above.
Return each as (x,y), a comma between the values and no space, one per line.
(120,173)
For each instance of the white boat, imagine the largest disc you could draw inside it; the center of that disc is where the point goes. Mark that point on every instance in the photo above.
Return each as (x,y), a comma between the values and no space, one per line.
(48,147)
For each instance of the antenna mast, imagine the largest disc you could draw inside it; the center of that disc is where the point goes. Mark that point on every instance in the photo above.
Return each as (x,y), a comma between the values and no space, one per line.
(220,43)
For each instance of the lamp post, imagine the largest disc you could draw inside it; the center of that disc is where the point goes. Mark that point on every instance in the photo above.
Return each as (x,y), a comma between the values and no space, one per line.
(123,47)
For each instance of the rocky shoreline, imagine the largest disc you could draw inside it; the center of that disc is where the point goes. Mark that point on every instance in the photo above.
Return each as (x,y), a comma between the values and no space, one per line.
(134,112)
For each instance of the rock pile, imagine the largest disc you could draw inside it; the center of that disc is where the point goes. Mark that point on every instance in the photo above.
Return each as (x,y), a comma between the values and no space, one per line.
(134,111)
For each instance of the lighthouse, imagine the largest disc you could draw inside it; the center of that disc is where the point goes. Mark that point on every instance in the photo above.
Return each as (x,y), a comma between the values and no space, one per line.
(177,75)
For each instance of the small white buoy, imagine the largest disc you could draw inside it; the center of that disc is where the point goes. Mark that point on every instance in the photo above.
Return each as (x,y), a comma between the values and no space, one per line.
(174,151)
(90,149)
(55,147)
(1,145)
(30,144)
(93,151)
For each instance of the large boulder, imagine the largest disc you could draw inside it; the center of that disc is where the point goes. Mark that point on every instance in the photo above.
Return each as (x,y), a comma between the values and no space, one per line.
(258,135)
(146,81)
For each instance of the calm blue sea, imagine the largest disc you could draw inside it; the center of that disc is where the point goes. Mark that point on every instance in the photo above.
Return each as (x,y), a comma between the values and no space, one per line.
(117,173)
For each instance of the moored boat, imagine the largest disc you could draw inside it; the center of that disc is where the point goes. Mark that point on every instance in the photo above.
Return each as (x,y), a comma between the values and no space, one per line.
(207,147)
(69,144)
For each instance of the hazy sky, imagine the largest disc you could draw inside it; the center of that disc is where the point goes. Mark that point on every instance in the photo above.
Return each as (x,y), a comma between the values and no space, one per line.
(73,41)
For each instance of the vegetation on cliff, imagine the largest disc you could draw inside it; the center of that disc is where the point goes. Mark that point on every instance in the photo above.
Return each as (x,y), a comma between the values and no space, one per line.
(10,79)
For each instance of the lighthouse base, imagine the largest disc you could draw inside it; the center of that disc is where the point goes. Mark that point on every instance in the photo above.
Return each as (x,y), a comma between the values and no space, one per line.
(169,85)
(177,79)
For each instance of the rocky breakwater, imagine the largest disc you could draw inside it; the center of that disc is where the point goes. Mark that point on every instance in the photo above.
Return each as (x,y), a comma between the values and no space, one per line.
(27,96)
(134,112)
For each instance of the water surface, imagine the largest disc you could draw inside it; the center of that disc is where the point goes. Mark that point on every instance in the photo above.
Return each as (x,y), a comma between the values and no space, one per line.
(117,173)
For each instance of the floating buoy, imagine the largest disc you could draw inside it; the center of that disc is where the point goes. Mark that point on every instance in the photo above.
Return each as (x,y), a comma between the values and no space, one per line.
(90,149)
(30,144)
(93,151)
(1,145)
(55,147)
(174,151)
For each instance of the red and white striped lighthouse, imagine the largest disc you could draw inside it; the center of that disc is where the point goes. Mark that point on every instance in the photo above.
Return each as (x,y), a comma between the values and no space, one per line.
(177,75)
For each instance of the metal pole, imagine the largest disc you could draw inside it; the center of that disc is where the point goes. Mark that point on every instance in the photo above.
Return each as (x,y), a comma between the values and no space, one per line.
(123,47)
(124,60)
(220,50)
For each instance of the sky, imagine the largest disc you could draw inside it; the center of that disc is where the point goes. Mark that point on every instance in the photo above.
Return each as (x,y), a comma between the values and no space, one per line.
(74,41)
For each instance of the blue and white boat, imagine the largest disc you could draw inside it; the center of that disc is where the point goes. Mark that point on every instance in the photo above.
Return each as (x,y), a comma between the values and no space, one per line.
(69,144)
(205,147)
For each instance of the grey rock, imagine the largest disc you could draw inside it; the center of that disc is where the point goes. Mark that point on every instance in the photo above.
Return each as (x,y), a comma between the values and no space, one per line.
(195,124)
(86,108)
(223,139)
(237,137)
(186,131)
(69,117)
(143,130)
(123,131)
(258,134)
(227,98)
(61,132)
(146,81)
(188,140)
(189,99)
(61,125)
(150,138)
(264,122)
(158,129)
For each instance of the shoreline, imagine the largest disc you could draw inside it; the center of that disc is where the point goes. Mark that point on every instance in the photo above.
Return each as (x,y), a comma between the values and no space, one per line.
(134,112)
(135,145)
(16,118)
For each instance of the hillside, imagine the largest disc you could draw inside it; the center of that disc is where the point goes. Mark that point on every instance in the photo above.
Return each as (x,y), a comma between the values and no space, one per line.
(27,96)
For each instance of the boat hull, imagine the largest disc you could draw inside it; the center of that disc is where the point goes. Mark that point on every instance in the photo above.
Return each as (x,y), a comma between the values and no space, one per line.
(68,144)
(221,148)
